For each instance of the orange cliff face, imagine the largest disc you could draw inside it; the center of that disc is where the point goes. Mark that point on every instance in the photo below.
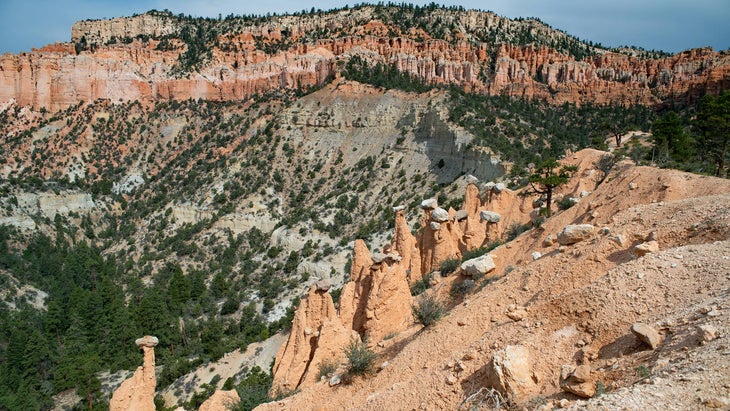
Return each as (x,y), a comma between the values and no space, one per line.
(56,77)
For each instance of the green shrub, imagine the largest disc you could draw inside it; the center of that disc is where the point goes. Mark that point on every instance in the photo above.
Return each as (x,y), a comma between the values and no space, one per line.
(565,203)
(360,359)
(515,230)
(449,266)
(477,252)
(461,289)
(421,285)
(327,368)
(428,310)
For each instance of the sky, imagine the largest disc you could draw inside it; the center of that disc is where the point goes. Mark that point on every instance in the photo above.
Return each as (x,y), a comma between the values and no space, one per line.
(669,25)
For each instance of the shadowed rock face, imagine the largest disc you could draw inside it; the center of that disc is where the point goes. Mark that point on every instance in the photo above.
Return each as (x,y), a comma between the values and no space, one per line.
(138,391)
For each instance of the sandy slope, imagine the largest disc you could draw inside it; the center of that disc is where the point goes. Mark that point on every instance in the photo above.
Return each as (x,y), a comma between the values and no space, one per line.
(585,296)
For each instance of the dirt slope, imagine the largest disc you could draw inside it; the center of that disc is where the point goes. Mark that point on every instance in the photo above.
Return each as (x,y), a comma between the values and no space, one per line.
(581,301)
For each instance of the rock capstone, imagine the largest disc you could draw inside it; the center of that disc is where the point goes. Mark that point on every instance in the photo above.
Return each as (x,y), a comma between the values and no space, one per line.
(429,203)
(490,216)
(440,215)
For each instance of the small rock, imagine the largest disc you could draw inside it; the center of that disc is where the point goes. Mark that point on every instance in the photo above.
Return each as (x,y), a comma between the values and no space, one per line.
(647,334)
(649,247)
(564,403)
(536,255)
(385,364)
(435,226)
(632,186)
(713,313)
(640,276)
(461,323)
(548,241)
(335,380)
(584,193)
(440,215)
(516,313)
(605,231)
(308,331)
(429,203)
(716,402)
(620,240)
(470,179)
(451,380)
(489,216)
(577,380)
(653,236)
(499,187)
(399,208)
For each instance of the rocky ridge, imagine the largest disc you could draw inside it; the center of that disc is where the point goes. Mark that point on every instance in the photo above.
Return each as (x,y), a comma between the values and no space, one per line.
(592,349)
(483,53)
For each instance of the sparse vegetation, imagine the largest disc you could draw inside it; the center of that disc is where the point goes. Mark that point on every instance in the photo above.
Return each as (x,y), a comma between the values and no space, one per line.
(428,310)
(449,266)
(360,359)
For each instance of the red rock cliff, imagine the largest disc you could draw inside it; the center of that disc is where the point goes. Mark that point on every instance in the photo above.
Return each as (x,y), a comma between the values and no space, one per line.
(56,77)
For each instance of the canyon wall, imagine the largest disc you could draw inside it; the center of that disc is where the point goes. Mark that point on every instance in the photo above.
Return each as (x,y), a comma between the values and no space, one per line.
(56,76)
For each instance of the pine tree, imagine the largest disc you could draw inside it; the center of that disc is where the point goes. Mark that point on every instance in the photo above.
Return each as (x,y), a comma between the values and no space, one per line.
(549,175)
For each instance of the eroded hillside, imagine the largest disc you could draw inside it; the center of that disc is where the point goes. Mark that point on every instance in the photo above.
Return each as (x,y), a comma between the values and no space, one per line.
(551,303)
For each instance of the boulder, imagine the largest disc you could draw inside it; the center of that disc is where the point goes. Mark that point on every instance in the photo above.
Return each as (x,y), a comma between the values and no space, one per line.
(536,255)
(429,203)
(510,373)
(470,179)
(489,216)
(499,187)
(220,401)
(577,380)
(440,215)
(647,334)
(434,226)
(399,208)
(575,233)
(648,247)
(478,266)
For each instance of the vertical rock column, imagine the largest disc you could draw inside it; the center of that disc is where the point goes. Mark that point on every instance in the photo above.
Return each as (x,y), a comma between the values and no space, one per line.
(138,391)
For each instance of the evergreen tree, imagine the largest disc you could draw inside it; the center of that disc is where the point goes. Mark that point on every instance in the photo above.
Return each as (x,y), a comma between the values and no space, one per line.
(712,128)
(549,175)
(670,139)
